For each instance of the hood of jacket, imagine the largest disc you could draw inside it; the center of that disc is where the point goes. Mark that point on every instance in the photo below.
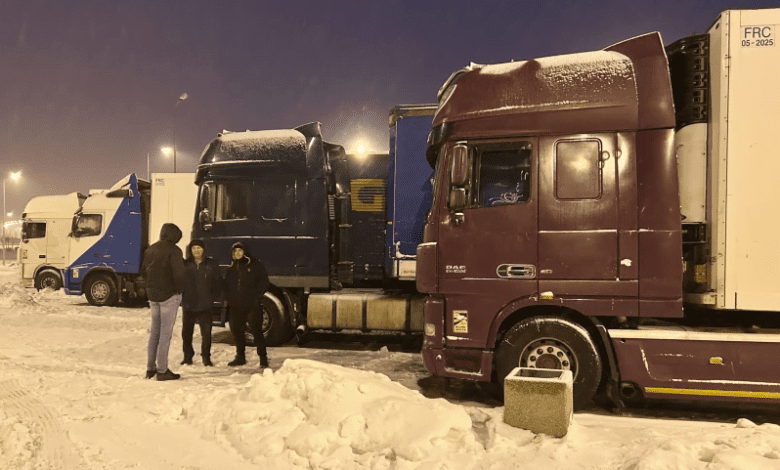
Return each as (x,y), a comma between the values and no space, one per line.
(196,242)
(246,253)
(170,232)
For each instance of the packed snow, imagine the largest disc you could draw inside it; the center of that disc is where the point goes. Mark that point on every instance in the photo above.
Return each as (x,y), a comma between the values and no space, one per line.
(73,396)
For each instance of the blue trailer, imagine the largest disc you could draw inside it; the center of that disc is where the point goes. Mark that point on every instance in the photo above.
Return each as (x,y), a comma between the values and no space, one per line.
(337,233)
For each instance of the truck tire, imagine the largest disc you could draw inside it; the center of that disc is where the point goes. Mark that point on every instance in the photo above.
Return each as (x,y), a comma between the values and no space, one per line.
(48,279)
(552,343)
(276,328)
(101,290)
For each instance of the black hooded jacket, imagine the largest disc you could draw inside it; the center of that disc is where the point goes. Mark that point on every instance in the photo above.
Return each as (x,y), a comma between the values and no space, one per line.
(246,280)
(163,265)
(202,282)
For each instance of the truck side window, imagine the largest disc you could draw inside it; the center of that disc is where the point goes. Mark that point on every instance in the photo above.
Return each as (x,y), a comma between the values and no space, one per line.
(233,200)
(504,176)
(578,169)
(33,230)
(89,225)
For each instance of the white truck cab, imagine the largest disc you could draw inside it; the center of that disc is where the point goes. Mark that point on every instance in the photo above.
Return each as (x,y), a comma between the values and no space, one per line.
(46,222)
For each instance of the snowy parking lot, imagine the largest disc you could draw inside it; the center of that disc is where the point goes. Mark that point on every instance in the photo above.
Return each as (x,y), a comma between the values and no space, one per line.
(73,396)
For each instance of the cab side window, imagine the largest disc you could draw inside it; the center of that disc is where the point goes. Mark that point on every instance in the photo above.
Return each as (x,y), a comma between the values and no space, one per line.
(32,230)
(578,169)
(232,200)
(504,175)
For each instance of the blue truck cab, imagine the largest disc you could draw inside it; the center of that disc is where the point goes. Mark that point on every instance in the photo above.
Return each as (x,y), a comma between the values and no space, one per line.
(336,232)
(107,239)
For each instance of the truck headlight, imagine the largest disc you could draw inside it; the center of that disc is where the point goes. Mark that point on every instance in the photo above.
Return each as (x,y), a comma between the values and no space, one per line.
(430,329)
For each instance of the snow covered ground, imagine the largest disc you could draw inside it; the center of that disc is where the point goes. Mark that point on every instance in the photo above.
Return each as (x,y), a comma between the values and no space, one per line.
(73,396)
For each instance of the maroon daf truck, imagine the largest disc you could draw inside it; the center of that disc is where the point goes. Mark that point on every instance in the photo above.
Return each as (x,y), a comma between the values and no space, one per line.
(556,240)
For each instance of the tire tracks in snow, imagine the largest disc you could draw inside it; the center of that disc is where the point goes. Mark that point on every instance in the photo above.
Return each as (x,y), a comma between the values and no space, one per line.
(39,438)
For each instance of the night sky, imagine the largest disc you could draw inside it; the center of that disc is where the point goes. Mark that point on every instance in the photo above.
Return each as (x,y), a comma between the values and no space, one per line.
(89,87)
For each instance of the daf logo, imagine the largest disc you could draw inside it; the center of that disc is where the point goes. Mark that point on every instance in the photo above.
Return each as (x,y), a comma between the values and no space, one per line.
(455,269)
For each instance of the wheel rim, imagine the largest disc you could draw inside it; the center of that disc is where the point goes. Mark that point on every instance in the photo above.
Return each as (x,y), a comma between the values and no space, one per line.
(99,291)
(49,281)
(549,353)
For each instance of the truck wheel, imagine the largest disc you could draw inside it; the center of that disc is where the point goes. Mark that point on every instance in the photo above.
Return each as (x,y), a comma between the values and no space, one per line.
(276,328)
(101,291)
(48,279)
(552,343)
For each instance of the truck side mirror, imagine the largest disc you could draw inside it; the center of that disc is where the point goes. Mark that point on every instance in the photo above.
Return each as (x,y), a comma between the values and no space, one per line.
(460,165)
(458,199)
(205,219)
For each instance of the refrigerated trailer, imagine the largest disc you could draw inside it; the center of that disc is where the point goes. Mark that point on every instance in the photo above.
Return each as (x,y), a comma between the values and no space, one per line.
(612,213)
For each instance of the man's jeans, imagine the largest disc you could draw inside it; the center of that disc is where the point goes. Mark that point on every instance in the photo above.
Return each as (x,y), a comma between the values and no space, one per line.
(163,319)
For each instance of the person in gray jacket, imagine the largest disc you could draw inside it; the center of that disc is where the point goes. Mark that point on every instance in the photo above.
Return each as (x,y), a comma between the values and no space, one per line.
(163,268)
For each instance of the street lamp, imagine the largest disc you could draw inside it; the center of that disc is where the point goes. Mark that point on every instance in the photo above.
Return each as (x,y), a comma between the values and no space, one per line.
(182,97)
(15,177)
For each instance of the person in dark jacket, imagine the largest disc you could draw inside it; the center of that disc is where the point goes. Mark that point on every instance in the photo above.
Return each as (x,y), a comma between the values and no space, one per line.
(202,286)
(163,268)
(245,283)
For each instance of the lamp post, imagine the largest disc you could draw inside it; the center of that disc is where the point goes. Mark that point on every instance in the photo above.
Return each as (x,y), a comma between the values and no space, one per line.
(15,177)
(182,97)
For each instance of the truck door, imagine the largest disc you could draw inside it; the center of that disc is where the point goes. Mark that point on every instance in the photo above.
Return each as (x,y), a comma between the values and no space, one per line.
(578,217)
(488,250)
(33,247)
(57,241)
(226,219)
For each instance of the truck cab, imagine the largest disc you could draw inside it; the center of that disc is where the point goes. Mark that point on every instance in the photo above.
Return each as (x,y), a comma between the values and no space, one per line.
(43,253)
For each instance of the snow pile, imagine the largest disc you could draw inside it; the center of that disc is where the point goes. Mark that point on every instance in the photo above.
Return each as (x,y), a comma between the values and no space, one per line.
(314,415)
(13,295)
(72,396)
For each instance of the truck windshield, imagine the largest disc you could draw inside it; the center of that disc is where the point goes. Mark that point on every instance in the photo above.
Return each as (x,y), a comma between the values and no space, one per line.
(436,180)
(33,230)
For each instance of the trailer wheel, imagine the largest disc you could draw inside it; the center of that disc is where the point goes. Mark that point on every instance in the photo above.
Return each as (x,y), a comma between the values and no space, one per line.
(48,279)
(276,328)
(101,290)
(552,343)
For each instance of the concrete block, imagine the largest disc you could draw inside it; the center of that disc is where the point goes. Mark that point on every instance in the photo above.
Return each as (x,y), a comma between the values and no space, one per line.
(539,400)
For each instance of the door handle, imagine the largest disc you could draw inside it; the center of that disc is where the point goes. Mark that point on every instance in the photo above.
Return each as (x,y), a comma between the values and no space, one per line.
(41,256)
(516,271)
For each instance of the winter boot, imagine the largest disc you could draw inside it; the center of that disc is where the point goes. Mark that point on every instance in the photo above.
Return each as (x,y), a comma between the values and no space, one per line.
(150,373)
(167,375)
(263,362)
(238,361)
(207,362)
(186,361)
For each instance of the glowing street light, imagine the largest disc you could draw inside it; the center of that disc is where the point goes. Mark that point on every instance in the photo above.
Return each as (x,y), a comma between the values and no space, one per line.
(166,151)
(14,176)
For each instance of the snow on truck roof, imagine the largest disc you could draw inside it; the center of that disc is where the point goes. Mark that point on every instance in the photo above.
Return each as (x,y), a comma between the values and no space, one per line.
(253,145)
(589,79)
(618,87)
(63,204)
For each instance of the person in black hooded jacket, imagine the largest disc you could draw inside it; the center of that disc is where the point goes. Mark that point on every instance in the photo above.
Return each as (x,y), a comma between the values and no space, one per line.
(163,268)
(202,286)
(246,281)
